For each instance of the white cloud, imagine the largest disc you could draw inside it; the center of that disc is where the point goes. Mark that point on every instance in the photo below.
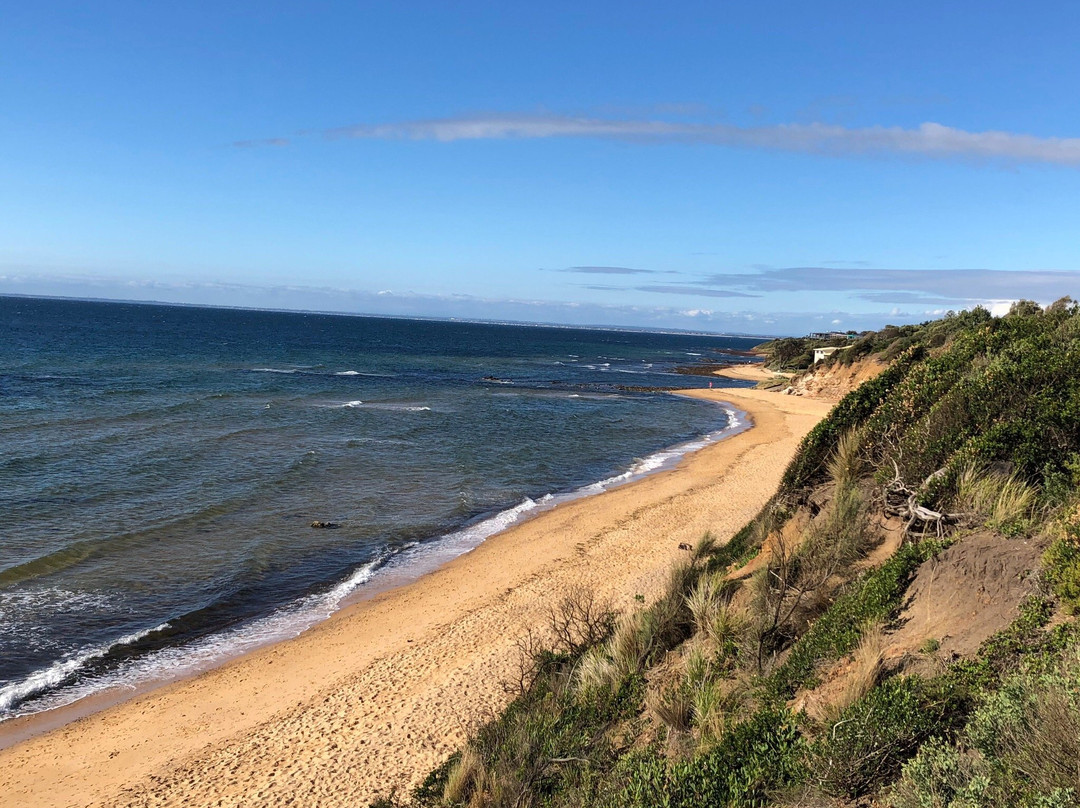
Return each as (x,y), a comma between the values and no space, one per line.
(927,140)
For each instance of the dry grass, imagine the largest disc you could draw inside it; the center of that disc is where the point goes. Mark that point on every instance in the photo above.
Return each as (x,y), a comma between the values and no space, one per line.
(704,599)
(863,675)
(727,628)
(595,671)
(466,779)
(672,707)
(1002,499)
(801,575)
(710,710)
(697,667)
(846,465)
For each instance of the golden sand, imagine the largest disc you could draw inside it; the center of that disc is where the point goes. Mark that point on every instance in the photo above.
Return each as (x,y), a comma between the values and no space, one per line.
(376,696)
(750,372)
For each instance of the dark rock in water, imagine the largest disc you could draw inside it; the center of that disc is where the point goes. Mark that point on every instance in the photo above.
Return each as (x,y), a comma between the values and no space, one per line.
(325,525)
(634,388)
(704,368)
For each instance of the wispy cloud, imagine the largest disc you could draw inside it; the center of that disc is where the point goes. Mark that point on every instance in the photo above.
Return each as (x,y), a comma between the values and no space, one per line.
(696,291)
(613,271)
(269,141)
(929,139)
(898,285)
(907,297)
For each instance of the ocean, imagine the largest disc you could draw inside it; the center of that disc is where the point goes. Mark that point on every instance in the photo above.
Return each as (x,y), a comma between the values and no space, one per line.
(161,467)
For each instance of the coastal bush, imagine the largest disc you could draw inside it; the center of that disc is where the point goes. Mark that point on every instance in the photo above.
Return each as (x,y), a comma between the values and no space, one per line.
(854,409)
(870,740)
(753,758)
(1020,747)
(1062,558)
(1062,561)
(798,581)
(868,599)
(980,415)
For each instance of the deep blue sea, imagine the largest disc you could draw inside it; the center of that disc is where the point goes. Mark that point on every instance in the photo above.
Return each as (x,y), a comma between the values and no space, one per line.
(160,467)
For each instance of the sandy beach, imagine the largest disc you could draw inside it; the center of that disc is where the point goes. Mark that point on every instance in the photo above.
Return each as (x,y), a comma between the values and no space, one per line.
(376,696)
(750,372)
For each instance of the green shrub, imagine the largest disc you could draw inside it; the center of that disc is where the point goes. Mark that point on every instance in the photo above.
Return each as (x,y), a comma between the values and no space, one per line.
(871,739)
(1062,563)
(753,758)
(868,599)
(1020,747)
(809,463)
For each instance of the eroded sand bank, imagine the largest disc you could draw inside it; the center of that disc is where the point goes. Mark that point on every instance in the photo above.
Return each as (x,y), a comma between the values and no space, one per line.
(376,696)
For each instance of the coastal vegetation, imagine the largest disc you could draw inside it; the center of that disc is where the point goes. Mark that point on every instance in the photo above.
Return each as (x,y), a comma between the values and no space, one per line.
(894,628)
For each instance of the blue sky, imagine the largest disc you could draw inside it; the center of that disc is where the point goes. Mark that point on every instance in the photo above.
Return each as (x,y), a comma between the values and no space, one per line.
(755,167)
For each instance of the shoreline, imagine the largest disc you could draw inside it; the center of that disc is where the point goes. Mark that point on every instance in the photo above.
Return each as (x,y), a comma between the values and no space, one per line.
(384,689)
(374,578)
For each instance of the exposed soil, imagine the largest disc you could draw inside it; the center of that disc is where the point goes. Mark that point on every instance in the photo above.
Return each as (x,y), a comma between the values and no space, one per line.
(957,601)
(834,382)
(964,595)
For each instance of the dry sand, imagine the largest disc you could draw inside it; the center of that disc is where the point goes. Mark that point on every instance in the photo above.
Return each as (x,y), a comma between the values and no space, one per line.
(375,697)
(750,372)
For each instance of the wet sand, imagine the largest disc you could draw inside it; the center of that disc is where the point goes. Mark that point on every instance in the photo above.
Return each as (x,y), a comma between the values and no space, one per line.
(376,696)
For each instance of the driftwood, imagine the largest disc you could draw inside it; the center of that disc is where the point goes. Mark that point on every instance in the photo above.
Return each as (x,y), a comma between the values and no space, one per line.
(899,500)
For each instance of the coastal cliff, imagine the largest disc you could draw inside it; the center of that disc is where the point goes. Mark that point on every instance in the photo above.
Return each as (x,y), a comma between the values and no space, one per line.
(893,628)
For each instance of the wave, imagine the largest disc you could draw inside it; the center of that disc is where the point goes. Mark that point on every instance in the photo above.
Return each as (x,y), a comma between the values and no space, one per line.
(397,406)
(313,371)
(66,681)
(377,405)
(44,689)
(430,555)
(57,673)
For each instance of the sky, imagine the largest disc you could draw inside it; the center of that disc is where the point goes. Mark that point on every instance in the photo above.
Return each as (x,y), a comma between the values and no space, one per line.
(762,168)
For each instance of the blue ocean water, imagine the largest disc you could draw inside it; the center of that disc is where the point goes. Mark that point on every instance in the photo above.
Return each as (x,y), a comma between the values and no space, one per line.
(160,467)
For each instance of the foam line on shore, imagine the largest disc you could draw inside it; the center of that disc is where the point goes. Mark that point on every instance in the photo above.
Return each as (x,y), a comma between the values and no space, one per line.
(38,692)
(397,680)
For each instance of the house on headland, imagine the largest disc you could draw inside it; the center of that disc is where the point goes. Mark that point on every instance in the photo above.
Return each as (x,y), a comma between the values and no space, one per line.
(821,353)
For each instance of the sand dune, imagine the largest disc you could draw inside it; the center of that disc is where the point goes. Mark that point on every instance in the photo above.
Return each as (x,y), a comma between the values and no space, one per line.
(375,697)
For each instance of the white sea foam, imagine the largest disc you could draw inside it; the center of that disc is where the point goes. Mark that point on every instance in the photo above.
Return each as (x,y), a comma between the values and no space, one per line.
(348,373)
(430,555)
(274,370)
(56,673)
(412,560)
(396,406)
(175,662)
(351,404)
